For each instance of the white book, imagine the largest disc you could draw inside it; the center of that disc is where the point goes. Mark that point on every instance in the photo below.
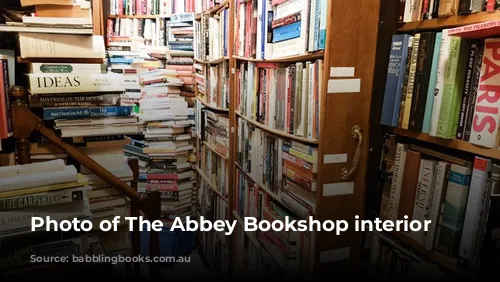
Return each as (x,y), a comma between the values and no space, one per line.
(42,68)
(52,83)
(23,181)
(480,174)
(46,45)
(444,54)
(42,167)
(437,198)
(423,197)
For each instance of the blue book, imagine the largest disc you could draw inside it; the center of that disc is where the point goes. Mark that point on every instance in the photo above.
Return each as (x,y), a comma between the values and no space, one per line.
(86,112)
(426,126)
(395,78)
(226,21)
(322,25)
(121,61)
(317,20)
(287,32)
(263,31)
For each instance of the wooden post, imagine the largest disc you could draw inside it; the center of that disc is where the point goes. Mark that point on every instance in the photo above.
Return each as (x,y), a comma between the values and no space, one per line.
(20,134)
(134,212)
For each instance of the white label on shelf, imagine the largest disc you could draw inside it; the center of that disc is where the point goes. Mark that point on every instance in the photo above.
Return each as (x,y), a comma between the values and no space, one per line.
(334,255)
(350,85)
(335,159)
(341,72)
(337,189)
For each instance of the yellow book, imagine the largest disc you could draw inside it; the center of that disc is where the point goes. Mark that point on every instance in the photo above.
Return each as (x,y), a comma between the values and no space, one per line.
(35,190)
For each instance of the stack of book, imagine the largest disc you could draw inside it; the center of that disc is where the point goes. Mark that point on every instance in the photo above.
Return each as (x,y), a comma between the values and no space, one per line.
(62,16)
(82,103)
(217,132)
(180,42)
(42,189)
(282,97)
(130,56)
(273,29)
(167,143)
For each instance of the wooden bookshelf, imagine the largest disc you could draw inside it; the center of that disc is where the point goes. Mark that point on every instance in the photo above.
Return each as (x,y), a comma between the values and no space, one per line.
(277,132)
(292,59)
(213,62)
(213,149)
(210,106)
(138,17)
(447,22)
(212,186)
(451,143)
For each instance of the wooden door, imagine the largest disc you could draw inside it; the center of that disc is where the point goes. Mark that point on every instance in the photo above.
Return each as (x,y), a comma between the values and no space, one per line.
(345,118)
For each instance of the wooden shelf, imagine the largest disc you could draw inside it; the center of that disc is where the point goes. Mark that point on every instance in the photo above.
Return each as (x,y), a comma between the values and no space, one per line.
(138,17)
(447,263)
(451,143)
(213,62)
(210,106)
(277,132)
(292,59)
(213,149)
(261,186)
(447,22)
(207,180)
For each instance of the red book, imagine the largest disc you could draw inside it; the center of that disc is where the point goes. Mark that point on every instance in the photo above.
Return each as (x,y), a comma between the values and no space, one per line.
(475,31)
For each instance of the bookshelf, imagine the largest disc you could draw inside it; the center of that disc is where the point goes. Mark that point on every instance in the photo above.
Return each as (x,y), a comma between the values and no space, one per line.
(466,253)
(344,59)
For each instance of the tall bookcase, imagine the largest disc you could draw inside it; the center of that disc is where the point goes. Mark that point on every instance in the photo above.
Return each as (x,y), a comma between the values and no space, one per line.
(343,109)
(456,261)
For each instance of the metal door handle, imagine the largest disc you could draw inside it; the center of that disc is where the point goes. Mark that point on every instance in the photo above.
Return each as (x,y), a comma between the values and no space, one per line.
(356,133)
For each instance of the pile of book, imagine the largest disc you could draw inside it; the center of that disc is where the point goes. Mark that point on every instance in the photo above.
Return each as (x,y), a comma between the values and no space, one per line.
(167,150)
(282,29)
(130,56)
(180,56)
(443,94)
(81,101)
(61,16)
(456,196)
(217,132)
(282,97)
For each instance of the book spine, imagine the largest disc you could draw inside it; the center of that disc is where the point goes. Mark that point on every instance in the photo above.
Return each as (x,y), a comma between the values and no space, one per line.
(478,60)
(436,203)
(84,100)
(6,124)
(397,181)
(75,83)
(464,7)
(65,113)
(486,112)
(286,20)
(480,174)
(422,77)
(42,199)
(466,92)
(41,68)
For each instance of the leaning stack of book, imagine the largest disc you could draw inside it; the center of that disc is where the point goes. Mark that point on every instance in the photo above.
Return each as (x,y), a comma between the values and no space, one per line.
(62,16)
(280,28)
(167,143)
(180,42)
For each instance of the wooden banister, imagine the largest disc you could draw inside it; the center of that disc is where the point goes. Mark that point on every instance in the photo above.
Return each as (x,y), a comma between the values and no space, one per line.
(25,122)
